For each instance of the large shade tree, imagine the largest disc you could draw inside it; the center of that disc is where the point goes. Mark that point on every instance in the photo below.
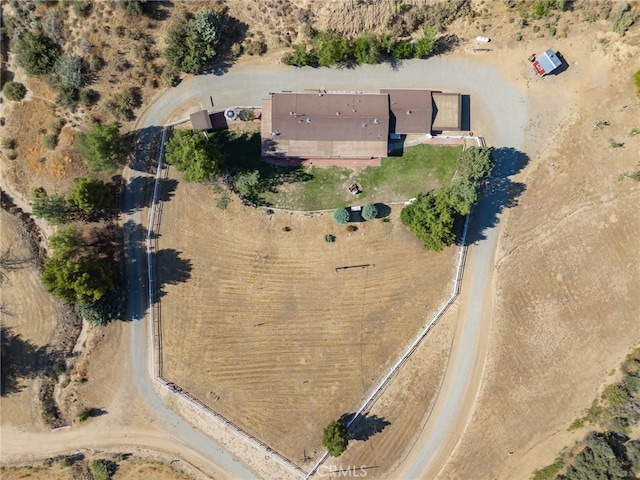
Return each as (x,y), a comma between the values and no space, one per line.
(335,438)
(197,157)
(101,147)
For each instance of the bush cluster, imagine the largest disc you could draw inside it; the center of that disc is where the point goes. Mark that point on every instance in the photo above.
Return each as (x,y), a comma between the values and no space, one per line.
(329,48)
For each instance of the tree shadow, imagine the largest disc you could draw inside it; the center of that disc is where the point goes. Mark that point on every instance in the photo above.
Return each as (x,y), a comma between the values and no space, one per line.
(139,192)
(169,269)
(97,412)
(233,31)
(497,193)
(363,427)
(145,144)
(21,360)
(445,44)
(383,210)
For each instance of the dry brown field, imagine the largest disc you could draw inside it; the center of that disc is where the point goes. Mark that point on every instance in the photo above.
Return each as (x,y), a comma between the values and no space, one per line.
(30,313)
(262,328)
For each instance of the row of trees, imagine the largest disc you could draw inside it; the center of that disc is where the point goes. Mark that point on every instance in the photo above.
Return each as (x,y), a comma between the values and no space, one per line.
(87,194)
(329,48)
(431,215)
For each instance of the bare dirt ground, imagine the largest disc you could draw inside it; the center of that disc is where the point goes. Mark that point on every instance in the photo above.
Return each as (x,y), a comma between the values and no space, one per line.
(258,324)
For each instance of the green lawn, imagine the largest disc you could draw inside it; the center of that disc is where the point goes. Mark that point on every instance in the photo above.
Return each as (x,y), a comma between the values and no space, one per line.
(421,168)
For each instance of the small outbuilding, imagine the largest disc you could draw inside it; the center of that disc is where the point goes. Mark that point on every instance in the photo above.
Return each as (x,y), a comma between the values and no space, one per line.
(201,120)
(546,63)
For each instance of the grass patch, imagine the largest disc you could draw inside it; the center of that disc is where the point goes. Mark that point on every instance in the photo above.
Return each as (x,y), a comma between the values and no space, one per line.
(550,471)
(421,168)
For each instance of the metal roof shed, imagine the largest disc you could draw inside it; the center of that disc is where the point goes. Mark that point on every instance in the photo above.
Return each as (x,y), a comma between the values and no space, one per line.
(546,63)
(201,120)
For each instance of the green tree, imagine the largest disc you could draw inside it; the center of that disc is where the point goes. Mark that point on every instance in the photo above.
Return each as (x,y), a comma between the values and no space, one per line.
(425,44)
(14,91)
(247,184)
(463,193)
(90,194)
(366,49)
(369,211)
(109,307)
(66,243)
(208,25)
(84,280)
(430,217)
(475,163)
(37,53)
(103,469)
(597,461)
(52,208)
(341,215)
(101,147)
(188,49)
(335,438)
(299,57)
(199,159)
(330,48)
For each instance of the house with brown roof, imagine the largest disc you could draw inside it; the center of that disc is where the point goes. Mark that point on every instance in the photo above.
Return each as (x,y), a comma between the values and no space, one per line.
(351,125)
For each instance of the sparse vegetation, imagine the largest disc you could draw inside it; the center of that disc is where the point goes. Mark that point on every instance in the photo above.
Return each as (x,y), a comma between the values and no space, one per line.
(614,144)
(636,79)
(15,91)
(122,104)
(622,18)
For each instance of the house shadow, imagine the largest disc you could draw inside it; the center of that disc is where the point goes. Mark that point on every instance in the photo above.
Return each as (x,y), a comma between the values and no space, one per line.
(496,193)
(362,426)
(465,114)
(564,65)
(21,360)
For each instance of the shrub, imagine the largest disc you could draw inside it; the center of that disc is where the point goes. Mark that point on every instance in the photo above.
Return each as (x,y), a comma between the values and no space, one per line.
(103,469)
(352,228)
(329,238)
(131,7)
(402,50)
(255,47)
(170,79)
(614,144)
(330,48)
(51,141)
(341,215)
(299,57)
(122,104)
(425,44)
(84,415)
(366,49)
(88,97)
(636,79)
(369,211)
(246,115)
(9,143)
(37,53)
(621,19)
(187,49)
(82,8)
(14,91)
(68,68)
